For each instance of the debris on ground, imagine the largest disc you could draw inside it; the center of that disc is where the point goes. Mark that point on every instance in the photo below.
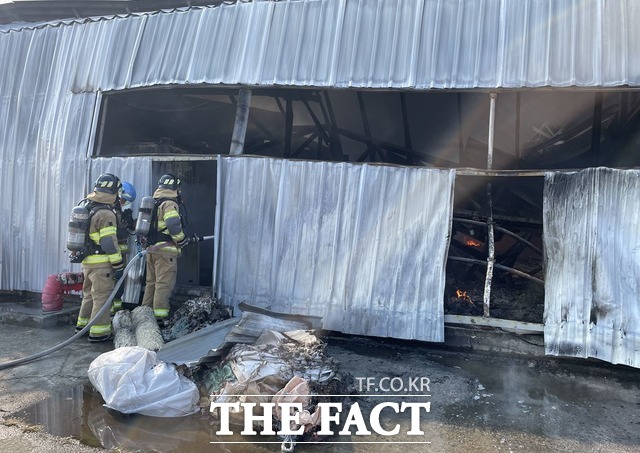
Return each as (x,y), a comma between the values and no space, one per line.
(277,367)
(264,357)
(137,328)
(197,347)
(265,367)
(255,320)
(194,315)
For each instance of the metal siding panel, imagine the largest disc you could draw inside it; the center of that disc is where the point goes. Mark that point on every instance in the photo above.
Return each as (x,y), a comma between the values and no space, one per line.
(592,249)
(363,246)
(412,44)
(353,43)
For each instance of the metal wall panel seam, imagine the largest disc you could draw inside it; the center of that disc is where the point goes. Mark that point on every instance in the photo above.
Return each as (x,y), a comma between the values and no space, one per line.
(335,54)
(264,41)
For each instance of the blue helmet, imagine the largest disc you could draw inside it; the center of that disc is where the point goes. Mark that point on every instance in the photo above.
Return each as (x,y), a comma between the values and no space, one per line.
(128,192)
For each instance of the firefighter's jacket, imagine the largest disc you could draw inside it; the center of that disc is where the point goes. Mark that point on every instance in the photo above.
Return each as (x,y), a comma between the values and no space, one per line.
(168,222)
(103,234)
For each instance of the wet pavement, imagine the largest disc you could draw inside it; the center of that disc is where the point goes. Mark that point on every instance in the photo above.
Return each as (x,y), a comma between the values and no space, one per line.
(478,402)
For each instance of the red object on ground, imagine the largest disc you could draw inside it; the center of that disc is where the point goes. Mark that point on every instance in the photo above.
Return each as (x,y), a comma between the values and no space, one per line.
(54,289)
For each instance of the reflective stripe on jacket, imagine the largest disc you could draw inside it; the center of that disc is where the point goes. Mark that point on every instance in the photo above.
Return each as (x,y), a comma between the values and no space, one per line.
(103,233)
(168,222)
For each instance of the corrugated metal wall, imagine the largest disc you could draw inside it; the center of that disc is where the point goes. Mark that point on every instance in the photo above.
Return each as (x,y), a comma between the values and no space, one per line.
(592,252)
(359,43)
(363,246)
(50,74)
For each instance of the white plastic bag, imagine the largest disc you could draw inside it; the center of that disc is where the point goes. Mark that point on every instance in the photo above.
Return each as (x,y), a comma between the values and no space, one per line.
(131,380)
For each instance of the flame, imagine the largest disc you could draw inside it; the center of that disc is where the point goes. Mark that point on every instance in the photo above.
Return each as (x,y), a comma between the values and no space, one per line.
(463,295)
(472,243)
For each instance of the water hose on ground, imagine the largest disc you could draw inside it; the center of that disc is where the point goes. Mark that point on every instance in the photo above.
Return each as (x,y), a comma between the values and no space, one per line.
(106,306)
(85,329)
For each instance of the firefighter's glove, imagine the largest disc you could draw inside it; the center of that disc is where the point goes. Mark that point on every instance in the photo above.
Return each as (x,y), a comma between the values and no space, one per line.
(118,271)
(183,242)
(127,219)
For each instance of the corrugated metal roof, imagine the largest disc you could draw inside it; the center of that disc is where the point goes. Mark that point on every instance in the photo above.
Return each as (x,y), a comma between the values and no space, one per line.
(592,251)
(363,246)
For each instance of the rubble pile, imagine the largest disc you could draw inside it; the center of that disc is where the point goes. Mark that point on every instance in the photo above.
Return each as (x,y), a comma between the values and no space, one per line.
(264,357)
(268,364)
(290,367)
(193,315)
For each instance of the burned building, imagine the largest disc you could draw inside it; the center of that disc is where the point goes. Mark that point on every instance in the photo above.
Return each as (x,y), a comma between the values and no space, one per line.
(389,165)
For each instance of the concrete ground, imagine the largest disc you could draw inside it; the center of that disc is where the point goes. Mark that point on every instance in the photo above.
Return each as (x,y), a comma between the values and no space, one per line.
(480,401)
(25,385)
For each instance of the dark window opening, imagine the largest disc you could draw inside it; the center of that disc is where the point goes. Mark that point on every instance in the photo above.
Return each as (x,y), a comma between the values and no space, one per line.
(541,129)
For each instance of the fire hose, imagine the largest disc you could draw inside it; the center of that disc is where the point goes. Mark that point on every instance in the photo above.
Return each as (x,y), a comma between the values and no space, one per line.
(105,307)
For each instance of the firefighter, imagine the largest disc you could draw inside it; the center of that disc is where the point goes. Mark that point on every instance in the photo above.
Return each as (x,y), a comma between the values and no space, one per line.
(126,228)
(165,239)
(103,264)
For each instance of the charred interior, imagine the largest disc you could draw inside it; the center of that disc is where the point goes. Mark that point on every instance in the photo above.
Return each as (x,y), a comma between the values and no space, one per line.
(535,131)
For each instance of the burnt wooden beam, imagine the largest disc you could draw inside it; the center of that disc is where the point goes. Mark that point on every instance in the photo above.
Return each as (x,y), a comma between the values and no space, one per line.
(596,131)
(503,230)
(288,128)
(242,119)
(511,219)
(280,106)
(397,149)
(321,127)
(304,144)
(460,134)
(365,127)
(497,266)
(491,259)
(405,121)
(335,145)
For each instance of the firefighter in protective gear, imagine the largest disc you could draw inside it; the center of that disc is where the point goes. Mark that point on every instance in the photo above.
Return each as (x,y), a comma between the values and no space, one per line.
(126,228)
(164,246)
(103,265)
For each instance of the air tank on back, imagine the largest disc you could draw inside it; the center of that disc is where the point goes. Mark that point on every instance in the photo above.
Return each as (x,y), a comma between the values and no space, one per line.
(78,228)
(143,224)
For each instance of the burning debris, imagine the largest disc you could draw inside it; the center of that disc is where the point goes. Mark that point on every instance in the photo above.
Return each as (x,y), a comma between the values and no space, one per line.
(461,303)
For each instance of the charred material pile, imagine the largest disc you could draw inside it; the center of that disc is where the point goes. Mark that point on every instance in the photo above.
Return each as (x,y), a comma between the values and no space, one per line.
(194,315)
(262,357)
(461,303)
(279,367)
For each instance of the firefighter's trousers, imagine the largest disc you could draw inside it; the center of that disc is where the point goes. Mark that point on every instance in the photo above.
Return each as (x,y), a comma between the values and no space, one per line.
(98,284)
(161,278)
